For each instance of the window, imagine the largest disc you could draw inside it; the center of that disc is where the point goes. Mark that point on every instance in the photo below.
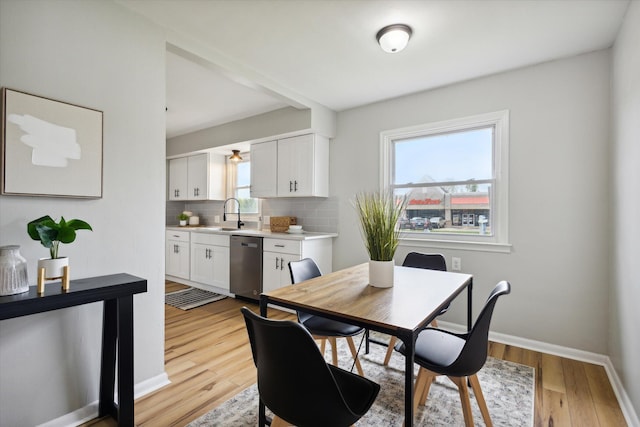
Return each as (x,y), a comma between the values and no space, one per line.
(239,185)
(455,175)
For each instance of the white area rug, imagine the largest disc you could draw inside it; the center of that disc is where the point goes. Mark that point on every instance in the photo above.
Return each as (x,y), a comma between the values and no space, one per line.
(187,299)
(507,387)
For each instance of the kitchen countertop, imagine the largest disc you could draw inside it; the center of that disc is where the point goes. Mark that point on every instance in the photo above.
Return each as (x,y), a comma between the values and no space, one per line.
(307,235)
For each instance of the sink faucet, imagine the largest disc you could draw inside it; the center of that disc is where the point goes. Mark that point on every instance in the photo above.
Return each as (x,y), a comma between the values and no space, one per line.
(224,211)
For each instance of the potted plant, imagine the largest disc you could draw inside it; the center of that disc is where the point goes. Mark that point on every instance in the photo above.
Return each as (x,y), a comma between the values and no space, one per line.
(183,218)
(378,213)
(51,234)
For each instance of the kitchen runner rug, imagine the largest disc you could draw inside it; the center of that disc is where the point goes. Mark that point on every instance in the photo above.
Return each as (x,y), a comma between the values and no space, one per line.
(507,387)
(189,298)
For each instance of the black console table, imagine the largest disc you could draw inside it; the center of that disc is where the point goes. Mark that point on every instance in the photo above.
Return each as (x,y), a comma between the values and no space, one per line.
(117,292)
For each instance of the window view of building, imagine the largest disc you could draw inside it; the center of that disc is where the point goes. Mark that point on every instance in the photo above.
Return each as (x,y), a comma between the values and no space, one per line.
(453,176)
(241,185)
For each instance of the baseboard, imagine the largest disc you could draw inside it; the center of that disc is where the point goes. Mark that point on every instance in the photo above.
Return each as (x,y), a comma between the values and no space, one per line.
(89,412)
(626,406)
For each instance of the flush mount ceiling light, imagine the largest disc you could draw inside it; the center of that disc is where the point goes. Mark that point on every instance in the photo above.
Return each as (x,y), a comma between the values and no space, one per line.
(235,156)
(394,38)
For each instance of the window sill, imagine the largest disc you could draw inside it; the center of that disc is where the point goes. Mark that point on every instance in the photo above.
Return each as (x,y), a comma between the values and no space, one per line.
(455,244)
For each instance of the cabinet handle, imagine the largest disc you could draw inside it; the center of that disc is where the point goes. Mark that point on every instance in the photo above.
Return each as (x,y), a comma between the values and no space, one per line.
(279,246)
(178,192)
(176,249)
(281,263)
(290,186)
(276,263)
(295,185)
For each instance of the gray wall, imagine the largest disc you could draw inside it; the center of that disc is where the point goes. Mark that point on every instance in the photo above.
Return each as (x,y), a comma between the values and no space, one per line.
(96,54)
(253,128)
(559,193)
(624,316)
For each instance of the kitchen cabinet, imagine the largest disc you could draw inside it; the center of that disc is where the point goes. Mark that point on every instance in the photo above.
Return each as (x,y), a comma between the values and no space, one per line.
(210,259)
(277,253)
(197,177)
(301,167)
(177,253)
(264,161)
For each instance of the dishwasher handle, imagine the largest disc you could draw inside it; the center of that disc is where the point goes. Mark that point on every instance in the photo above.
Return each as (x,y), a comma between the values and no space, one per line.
(249,245)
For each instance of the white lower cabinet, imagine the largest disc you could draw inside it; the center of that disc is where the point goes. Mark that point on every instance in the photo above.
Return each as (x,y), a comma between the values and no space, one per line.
(277,253)
(177,253)
(210,259)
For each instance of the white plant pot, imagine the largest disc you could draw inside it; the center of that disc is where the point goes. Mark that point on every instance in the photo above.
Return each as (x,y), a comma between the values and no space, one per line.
(381,273)
(183,222)
(53,268)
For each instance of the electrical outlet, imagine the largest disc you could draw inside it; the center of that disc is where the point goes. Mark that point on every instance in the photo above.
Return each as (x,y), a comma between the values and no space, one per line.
(456,263)
(216,219)
(266,219)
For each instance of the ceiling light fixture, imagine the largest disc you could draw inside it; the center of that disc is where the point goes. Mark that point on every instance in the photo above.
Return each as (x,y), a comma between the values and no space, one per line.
(235,156)
(394,38)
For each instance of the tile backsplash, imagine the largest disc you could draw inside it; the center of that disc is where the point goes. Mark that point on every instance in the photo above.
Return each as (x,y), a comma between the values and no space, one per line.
(313,214)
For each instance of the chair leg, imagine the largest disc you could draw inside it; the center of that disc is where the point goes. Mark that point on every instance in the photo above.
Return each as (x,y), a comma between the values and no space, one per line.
(461,382)
(323,342)
(477,391)
(392,343)
(354,353)
(427,386)
(434,323)
(334,350)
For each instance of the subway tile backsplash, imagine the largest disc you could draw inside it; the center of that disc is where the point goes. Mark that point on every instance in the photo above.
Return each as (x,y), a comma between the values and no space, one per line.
(313,214)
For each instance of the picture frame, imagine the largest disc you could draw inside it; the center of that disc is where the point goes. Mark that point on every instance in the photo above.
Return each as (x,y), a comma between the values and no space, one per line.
(50,148)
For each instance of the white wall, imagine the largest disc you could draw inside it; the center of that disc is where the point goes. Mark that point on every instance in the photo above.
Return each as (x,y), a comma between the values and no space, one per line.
(559,215)
(95,54)
(624,316)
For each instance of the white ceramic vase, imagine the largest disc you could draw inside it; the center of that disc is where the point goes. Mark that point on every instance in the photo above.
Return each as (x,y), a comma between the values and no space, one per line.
(381,273)
(53,267)
(13,271)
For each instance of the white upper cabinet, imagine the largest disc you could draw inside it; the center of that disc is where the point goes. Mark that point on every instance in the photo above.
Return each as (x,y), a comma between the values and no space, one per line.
(197,177)
(264,162)
(291,167)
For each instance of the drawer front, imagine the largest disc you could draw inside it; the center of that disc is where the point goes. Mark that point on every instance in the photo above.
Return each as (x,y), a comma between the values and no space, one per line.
(283,246)
(180,236)
(210,239)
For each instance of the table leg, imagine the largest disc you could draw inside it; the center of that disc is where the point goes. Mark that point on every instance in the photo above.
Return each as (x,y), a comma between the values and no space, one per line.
(125,361)
(108,359)
(409,344)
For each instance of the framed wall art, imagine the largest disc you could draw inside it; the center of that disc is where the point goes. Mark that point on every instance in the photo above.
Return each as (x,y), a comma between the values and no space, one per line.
(50,148)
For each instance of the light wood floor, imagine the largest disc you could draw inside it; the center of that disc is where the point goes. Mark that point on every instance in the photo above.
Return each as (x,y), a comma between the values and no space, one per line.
(208,360)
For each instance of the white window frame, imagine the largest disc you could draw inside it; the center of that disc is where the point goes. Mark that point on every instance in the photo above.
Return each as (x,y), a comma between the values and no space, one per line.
(499,240)
(232,172)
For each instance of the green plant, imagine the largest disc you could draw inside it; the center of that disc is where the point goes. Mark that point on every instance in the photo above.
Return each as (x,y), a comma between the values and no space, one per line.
(379,213)
(51,233)
(183,217)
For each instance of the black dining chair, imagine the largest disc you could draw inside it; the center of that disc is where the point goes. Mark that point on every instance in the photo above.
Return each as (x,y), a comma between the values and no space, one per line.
(458,356)
(426,261)
(321,328)
(297,384)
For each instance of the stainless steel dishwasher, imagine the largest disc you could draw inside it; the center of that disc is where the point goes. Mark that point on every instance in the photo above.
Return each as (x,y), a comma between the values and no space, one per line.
(245,272)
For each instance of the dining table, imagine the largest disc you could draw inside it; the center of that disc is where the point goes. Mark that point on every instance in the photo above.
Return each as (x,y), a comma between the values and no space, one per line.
(403,310)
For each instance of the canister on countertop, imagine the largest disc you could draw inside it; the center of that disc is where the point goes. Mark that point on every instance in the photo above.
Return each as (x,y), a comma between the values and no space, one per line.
(280,224)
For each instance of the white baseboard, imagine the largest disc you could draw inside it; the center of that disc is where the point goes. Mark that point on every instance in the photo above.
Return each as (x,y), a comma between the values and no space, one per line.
(626,406)
(89,412)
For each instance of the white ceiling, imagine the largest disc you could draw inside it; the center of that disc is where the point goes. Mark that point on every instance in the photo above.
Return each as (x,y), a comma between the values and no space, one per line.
(325,50)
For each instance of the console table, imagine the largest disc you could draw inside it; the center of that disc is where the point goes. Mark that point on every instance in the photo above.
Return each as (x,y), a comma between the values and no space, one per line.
(116,291)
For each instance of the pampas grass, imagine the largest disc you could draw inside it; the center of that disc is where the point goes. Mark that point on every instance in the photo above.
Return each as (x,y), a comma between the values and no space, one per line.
(379,213)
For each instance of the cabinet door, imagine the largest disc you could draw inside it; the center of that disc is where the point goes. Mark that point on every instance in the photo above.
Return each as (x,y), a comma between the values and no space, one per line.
(177,259)
(221,267)
(275,272)
(198,177)
(296,166)
(264,163)
(202,263)
(178,179)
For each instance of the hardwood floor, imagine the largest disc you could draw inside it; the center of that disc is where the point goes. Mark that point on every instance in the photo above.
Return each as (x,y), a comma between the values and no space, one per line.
(208,360)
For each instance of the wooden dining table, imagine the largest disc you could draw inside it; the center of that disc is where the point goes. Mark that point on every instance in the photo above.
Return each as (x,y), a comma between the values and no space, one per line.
(403,310)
